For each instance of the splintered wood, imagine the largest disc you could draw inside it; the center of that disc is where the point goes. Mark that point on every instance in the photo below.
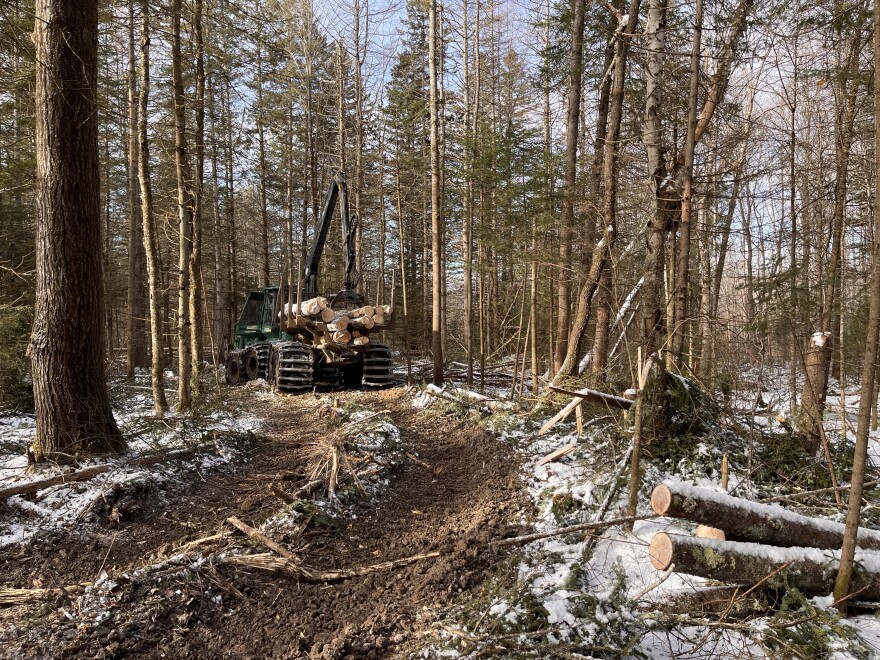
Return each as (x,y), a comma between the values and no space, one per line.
(580,397)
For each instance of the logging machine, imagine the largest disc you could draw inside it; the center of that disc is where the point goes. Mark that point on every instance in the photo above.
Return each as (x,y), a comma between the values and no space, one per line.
(297,339)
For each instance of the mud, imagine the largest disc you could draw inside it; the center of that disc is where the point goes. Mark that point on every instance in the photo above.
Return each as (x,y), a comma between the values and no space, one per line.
(466,495)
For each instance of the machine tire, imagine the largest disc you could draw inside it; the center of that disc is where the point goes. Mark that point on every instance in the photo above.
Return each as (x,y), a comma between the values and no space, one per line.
(294,367)
(234,368)
(377,367)
(250,363)
(263,351)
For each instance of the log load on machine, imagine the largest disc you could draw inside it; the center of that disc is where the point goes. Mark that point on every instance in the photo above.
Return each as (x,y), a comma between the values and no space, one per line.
(298,339)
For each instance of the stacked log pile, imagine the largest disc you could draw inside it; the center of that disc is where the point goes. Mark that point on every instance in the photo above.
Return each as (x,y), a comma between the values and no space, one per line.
(338,326)
(766,540)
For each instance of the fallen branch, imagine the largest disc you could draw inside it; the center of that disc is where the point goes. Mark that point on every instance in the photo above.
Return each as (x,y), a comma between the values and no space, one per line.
(278,492)
(595,396)
(578,398)
(258,536)
(360,420)
(415,459)
(270,562)
(10,596)
(88,473)
(528,538)
(818,491)
(557,454)
(186,547)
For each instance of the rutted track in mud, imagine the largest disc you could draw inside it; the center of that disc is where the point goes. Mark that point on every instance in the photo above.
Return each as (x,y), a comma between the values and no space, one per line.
(465,496)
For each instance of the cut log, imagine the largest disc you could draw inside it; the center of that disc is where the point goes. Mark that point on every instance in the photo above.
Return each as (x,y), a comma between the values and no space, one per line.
(810,570)
(378,319)
(366,310)
(706,532)
(745,520)
(314,306)
(355,333)
(342,336)
(361,341)
(556,455)
(386,310)
(362,322)
(338,323)
(327,315)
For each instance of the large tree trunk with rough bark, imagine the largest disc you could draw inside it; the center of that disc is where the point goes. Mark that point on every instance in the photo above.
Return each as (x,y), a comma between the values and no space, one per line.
(809,569)
(67,344)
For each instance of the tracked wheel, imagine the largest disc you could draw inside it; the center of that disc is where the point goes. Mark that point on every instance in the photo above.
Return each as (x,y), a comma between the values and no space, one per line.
(327,377)
(263,359)
(377,367)
(293,365)
(250,363)
(234,368)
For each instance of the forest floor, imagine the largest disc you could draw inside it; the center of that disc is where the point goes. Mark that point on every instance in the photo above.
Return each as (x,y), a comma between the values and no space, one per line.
(462,492)
(350,480)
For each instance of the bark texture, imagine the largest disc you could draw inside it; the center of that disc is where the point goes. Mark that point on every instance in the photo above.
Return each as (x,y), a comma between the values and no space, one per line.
(745,520)
(67,345)
(810,570)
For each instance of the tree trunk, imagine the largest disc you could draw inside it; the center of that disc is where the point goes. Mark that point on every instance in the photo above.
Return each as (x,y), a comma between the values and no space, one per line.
(846,582)
(609,195)
(468,212)
(151,242)
(67,343)
(745,520)
(652,137)
(811,571)
(682,269)
(572,126)
(195,262)
(185,213)
(436,220)
(137,307)
(261,144)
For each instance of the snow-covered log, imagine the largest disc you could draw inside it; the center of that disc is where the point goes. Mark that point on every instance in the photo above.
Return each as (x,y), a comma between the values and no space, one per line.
(810,570)
(745,520)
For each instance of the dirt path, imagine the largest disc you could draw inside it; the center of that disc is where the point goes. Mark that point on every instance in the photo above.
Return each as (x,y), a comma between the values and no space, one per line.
(467,497)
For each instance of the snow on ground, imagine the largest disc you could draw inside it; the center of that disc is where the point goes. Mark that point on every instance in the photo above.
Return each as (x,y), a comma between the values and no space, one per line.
(213,437)
(571,596)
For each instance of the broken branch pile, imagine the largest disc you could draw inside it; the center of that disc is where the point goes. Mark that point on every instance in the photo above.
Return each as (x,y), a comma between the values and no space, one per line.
(767,540)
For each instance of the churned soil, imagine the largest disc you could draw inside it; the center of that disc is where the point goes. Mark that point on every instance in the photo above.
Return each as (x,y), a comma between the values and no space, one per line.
(461,492)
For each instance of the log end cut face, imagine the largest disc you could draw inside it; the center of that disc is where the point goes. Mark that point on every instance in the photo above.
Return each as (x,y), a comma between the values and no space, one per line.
(661,499)
(660,551)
